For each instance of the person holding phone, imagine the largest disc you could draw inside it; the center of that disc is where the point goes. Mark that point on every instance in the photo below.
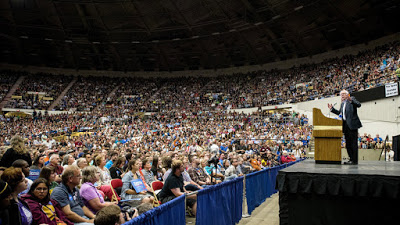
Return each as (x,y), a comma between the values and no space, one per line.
(351,123)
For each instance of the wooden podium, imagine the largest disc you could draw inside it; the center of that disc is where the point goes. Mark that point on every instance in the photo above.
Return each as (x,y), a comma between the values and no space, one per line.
(327,133)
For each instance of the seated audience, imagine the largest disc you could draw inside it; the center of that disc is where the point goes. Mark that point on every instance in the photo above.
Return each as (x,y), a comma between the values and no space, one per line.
(111,215)
(55,163)
(90,194)
(254,163)
(38,162)
(144,207)
(44,210)
(68,197)
(147,173)
(23,165)
(116,170)
(156,168)
(174,187)
(19,211)
(198,174)
(128,192)
(233,170)
(49,174)
(285,157)
(81,163)
(5,198)
(67,161)
(105,178)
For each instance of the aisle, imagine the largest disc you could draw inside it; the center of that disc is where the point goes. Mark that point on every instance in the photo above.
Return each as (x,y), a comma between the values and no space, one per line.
(265,214)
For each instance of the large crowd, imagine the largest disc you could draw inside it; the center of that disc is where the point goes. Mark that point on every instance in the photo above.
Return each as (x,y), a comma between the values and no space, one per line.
(89,152)
(87,162)
(38,91)
(368,69)
(6,82)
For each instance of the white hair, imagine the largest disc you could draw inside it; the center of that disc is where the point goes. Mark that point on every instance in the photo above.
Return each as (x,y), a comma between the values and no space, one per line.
(344,91)
(52,156)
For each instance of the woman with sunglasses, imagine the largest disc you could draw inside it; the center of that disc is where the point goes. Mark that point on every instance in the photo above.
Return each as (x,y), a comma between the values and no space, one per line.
(44,210)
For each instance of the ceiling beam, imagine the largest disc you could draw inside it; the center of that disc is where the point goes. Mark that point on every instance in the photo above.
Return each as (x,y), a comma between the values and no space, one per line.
(142,17)
(71,57)
(111,46)
(250,47)
(87,28)
(188,25)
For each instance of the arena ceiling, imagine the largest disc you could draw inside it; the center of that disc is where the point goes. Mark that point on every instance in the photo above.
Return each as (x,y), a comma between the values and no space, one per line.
(171,35)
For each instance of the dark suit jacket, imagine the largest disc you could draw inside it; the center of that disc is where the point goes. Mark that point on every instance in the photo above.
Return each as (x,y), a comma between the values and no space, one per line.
(352,119)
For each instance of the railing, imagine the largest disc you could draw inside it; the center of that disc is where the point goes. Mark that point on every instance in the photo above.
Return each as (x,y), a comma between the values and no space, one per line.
(220,204)
(172,212)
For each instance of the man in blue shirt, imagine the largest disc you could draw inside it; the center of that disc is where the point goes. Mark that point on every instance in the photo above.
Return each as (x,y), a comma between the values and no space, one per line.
(67,195)
(113,158)
(377,143)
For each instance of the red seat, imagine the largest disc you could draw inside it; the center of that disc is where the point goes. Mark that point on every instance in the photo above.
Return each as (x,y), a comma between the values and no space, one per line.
(157,185)
(116,183)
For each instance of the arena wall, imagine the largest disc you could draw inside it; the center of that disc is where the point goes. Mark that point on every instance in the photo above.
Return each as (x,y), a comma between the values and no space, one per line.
(378,117)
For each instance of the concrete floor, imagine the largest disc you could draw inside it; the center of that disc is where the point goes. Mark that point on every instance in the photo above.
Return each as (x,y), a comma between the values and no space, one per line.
(265,214)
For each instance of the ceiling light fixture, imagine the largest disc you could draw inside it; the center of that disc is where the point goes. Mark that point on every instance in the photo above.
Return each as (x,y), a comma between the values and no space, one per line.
(276,17)
(298,8)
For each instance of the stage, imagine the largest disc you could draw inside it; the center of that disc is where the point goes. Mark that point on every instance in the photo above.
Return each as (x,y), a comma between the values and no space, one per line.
(367,193)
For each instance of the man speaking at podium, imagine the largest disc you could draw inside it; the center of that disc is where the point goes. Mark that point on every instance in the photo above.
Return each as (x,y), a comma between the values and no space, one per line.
(351,123)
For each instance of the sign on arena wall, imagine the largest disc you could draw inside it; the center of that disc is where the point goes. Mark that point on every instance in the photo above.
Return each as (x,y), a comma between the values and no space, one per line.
(35,93)
(391,90)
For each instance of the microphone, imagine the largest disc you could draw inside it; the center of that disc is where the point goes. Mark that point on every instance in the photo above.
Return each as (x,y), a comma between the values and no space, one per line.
(335,104)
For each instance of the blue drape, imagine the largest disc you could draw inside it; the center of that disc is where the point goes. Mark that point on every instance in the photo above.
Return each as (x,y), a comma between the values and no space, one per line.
(261,185)
(172,212)
(257,188)
(220,204)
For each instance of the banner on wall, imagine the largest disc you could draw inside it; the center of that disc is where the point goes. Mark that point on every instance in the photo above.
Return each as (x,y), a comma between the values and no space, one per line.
(391,90)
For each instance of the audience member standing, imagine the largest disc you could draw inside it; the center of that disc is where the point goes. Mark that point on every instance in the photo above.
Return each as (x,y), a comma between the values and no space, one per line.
(17,151)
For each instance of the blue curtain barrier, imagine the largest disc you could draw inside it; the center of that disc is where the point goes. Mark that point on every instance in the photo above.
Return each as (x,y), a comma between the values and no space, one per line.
(172,212)
(220,204)
(261,185)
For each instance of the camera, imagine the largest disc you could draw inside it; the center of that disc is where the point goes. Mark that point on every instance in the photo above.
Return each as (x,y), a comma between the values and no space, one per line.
(130,210)
(214,160)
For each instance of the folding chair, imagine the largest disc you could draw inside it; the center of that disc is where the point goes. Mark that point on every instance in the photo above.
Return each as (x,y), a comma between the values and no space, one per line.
(157,186)
(115,183)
